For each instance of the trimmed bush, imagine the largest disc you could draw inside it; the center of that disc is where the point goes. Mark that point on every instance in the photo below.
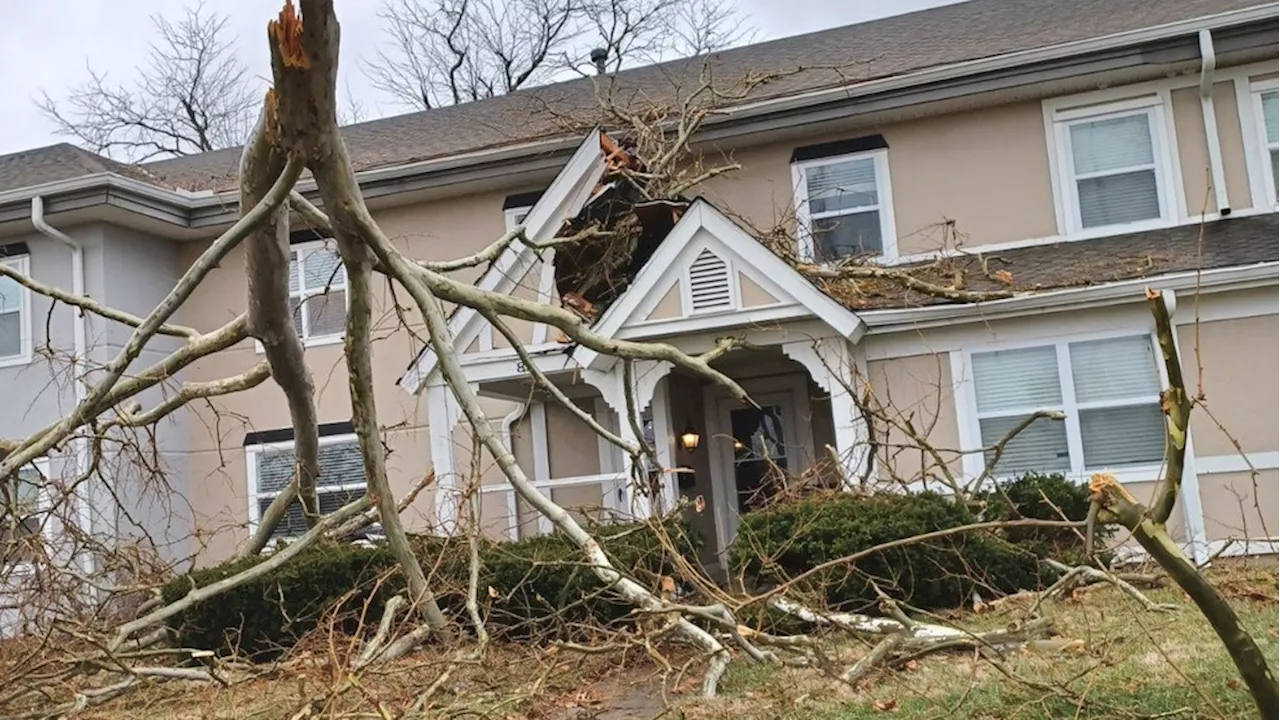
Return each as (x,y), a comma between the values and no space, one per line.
(543,588)
(267,615)
(783,541)
(546,589)
(1044,497)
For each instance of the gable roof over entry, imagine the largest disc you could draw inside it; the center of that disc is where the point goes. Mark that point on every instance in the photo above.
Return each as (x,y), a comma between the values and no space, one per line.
(723,278)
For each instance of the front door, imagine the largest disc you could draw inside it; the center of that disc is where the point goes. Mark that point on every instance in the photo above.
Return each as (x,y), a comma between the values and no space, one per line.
(753,449)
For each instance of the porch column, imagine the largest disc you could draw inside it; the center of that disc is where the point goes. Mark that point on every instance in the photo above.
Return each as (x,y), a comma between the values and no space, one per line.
(611,384)
(830,363)
(443,414)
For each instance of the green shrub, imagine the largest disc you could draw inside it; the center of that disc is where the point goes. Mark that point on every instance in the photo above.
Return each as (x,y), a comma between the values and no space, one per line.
(543,588)
(546,589)
(266,615)
(783,541)
(1043,497)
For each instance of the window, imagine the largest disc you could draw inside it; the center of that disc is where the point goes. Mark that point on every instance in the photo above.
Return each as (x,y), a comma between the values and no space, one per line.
(516,215)
(341,480)
(843,207)
(318,291)
(1112,163)
(20,514)
(1108,389)
(1268,116)
(15,324)
(1112,167)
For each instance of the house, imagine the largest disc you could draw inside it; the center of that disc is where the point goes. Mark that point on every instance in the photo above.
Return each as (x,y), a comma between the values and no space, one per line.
(1056,158)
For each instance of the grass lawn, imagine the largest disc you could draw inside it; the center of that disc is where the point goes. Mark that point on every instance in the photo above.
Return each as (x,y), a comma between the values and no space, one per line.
(1128,663)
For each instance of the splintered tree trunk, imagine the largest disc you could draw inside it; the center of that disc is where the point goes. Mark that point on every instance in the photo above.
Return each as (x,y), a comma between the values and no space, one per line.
(1147,524)
(304,61)
(271,323)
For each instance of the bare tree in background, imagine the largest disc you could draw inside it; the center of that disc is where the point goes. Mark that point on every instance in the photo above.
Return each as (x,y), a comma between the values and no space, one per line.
(444,52)
(193,95)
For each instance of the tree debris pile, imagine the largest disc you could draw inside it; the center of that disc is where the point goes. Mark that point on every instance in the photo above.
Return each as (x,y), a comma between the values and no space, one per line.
(592,273)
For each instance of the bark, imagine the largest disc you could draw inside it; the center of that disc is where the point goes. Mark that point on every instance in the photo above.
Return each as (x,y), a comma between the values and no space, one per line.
(304,55)
(267,258)
(1147,524)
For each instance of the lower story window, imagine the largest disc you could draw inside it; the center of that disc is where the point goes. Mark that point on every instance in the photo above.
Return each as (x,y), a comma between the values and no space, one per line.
(1109,391)
(341,481)
(20,533)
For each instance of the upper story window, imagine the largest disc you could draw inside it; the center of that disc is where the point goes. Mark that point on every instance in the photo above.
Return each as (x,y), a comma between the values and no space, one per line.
(843,206)
(515,216)
(318,291)
(1265,97)
(1108,389)
(515,208)
(15,315)
(272,467)
(1112,165)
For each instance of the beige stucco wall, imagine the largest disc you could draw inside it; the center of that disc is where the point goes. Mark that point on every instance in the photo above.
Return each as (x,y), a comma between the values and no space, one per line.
(1193,152)
(219,480)
(987,170)
(917,389)
(1240,505)
(1240,361)
(670,306)
(751,294)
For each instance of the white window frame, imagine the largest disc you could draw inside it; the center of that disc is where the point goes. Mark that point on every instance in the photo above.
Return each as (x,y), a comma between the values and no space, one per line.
(44,503)
(1062,113)
(298,250)
(974,459)
(512,216)
(21,263)
(884,193)
(1262,151)
(251,453)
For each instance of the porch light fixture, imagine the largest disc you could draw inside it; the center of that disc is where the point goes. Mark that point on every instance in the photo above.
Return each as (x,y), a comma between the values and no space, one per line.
(690,438)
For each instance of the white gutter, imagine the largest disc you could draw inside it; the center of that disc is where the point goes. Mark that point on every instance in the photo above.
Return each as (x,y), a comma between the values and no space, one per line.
(1208,63)
(1232,278)
(80,367)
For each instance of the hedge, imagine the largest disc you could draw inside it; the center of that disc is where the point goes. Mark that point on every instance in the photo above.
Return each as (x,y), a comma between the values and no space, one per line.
(1044,497)
(541,588)
(269,614)
(781,542)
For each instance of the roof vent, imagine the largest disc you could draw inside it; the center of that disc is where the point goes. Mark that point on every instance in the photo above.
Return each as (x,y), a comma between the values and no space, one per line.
(599,56)
(709,283)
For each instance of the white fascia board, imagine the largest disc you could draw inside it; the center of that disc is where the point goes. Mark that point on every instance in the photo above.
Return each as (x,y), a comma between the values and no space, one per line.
(563,199)
(746,252)
(1218,280)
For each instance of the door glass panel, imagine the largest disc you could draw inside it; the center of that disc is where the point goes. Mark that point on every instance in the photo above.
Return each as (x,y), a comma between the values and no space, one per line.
(759,454)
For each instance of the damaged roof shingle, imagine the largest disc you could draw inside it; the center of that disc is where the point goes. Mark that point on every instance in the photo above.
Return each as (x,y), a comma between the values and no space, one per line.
(1232,242)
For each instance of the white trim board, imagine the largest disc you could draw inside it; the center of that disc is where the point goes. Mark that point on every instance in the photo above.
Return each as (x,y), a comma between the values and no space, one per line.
(563,199)
(1237,463)
(704,227)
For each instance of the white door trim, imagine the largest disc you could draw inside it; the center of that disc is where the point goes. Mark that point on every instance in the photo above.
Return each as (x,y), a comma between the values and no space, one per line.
(789,391)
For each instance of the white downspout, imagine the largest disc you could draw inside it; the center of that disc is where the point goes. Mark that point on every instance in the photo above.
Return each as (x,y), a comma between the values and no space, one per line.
(1208,63)
(80,342)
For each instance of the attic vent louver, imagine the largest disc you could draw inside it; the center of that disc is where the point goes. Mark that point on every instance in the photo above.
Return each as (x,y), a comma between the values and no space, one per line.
(709,283)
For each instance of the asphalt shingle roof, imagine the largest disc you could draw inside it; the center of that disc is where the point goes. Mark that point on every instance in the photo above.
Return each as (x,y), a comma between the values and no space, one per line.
(1231,242)
(876,49)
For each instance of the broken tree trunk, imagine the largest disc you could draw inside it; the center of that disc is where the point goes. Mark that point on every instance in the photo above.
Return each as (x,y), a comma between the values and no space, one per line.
(267,259)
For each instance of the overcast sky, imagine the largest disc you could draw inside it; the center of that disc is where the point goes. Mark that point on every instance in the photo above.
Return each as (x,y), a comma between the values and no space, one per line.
(48,45)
